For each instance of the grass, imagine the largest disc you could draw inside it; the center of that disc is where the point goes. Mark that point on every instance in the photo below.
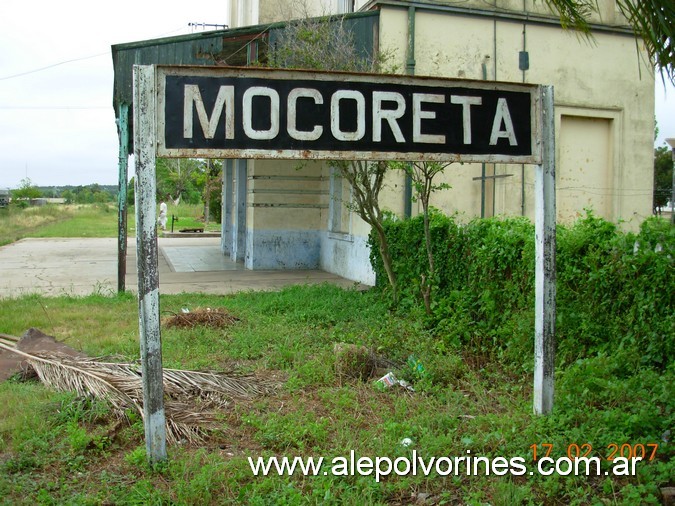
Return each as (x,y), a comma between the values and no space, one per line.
(461,404)
(84,220)
(16,223)
(189,216)
(95,220)
(57,449)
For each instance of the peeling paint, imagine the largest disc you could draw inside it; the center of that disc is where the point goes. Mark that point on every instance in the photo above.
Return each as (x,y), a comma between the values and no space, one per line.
(146,259)
(545,263)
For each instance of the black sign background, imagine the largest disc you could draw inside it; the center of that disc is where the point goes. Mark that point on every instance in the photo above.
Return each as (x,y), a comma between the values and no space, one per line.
(448,120)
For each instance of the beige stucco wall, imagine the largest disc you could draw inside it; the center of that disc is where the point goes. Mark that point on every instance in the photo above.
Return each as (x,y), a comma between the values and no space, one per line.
(604,98)
(251,12)
(604,107)
(248,12)
(607,11)
(283,194)
(604,102)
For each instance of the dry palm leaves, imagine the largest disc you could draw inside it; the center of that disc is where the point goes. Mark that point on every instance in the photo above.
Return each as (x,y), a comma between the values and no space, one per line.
(8,340)
(191,397)
(216,318)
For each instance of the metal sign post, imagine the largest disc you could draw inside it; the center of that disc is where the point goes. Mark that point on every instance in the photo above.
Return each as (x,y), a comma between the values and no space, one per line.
(545,271)
(123,132)
(146,260)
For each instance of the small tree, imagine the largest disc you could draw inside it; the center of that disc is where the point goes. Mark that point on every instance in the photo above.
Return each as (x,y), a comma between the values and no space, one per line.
(212,181)
(327,44)
(367,180)
(324,43)
(68,196)
(26,190)
(422,175)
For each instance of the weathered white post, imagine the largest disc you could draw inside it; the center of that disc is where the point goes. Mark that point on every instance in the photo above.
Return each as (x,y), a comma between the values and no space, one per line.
(545,270)
(146,261)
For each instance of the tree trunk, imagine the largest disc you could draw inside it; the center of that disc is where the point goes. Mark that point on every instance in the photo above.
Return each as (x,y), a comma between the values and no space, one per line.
(207,205)
(207,194)
(426,282)
(386,260)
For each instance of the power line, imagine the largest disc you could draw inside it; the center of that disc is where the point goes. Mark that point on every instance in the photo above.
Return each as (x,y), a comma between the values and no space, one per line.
(591,190)
(20,74)
(72,60)
(51,107)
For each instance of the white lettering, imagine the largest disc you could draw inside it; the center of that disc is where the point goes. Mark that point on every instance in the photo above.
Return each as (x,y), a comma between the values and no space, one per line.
(388,115)
(502,115)
(339,467)
(419,115)
(466,103)
(540,464)
(247,116)
(360,131)
(448,466)
(225,98)
(620,466)
(293,96)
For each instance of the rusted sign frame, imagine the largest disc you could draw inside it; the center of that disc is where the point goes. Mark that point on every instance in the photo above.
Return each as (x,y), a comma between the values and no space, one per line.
(147,145)
(349,79)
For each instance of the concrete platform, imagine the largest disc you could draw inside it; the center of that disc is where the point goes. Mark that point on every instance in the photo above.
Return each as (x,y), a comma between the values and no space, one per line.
(85,266)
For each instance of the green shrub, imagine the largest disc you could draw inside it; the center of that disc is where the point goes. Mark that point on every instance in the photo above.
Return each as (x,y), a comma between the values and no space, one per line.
(614,289)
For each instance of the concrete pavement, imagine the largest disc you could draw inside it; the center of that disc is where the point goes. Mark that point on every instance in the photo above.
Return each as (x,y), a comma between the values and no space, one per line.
(84,266)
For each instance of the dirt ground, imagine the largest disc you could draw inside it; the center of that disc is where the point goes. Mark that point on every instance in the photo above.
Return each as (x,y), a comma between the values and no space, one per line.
(35,342)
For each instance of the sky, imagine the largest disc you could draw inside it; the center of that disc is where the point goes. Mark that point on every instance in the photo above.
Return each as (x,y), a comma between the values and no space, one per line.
(57,123)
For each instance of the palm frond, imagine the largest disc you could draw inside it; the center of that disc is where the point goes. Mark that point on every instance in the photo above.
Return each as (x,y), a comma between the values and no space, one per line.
(215,385)
(573,13)
(652,21)
(62,373)
(191,397)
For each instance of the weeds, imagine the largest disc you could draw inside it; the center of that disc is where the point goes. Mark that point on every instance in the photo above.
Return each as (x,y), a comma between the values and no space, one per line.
(81,220)
(470,365)
(463,403)
(17,223)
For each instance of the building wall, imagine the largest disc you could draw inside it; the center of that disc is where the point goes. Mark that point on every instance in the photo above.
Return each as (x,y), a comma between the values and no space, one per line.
(604,110)
(608,13)
(604,103)
(286,211)
(253,12)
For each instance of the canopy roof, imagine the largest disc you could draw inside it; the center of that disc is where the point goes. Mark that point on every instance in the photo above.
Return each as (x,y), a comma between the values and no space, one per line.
(231,47)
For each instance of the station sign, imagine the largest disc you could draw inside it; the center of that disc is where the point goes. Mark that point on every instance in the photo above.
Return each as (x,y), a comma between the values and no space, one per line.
(227,112)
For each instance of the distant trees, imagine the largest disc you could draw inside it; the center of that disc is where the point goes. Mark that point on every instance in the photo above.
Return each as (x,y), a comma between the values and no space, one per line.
(90,194)
(189,180)
(663,176)
(211,183)
(84,194)
(26,190)
(178,179)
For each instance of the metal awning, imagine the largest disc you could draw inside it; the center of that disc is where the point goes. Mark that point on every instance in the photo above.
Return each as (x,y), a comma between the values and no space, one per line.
(230,47)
